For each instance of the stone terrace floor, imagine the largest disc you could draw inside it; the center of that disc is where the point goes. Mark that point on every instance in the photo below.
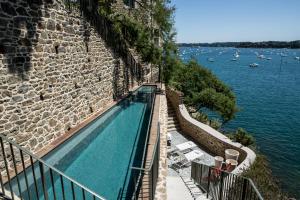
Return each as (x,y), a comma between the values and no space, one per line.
(181,178)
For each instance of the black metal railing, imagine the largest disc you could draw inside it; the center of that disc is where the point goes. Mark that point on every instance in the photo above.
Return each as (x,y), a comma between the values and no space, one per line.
(25,176)
(221,185)
(133,183)
(104,27)
(145,179)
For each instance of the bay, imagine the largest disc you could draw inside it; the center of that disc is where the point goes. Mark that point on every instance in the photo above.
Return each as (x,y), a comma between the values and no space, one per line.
(269,100)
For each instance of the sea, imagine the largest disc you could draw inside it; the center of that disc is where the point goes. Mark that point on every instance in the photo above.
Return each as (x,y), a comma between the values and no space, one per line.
(268,96)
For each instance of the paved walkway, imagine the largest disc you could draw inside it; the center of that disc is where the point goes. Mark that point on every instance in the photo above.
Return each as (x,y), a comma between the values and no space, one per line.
(176,189)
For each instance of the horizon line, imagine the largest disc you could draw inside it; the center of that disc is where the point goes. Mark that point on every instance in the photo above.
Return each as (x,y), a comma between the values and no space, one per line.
(239,41)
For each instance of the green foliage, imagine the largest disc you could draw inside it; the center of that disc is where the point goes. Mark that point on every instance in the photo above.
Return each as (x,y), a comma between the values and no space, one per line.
(216,124)
(242,136)
(163,17)
(261,174)
(201,117)
(202,88)
(138,37)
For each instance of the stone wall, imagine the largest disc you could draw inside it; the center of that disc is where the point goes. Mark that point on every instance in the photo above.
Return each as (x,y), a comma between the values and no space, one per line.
(55,71)
(212,140)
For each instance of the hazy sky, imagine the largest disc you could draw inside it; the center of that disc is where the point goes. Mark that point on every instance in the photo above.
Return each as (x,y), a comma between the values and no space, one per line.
(237,20)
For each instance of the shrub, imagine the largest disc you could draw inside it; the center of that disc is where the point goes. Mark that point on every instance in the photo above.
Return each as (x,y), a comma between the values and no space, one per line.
(242,136)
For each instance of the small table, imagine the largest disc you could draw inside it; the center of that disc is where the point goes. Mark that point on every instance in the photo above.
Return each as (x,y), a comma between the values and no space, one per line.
(193,155)
(186,145)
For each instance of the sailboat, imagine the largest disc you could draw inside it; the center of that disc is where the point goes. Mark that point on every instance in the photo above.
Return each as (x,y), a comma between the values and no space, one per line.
(236,55)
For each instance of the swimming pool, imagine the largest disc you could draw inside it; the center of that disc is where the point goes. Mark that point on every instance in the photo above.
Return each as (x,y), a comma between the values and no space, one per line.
(100,155)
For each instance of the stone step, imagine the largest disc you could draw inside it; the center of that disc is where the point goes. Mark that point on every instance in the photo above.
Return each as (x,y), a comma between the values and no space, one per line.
(173,121)
(173,129)
(173,125)
(171,114)
(172,117)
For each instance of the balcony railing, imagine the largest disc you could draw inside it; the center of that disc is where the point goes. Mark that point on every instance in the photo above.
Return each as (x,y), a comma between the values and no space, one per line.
(147,176)
(221,185)
(25,176)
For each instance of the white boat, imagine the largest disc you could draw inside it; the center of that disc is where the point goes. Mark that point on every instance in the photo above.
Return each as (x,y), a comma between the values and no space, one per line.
(254,65)
(211,60)
(261,56)
(297,58)
(283,55)
(236,54)
(269,58)
(233,59)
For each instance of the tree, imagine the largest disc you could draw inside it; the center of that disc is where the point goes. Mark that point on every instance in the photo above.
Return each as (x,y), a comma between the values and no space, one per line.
(202,89)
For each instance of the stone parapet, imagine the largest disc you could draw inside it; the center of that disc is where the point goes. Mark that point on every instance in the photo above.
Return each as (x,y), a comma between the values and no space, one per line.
(207,137)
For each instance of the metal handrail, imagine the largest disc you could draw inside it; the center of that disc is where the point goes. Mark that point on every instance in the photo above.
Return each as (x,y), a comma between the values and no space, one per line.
(150,170)
(154,150)
(220,184)
(148,128)
(2,137)
(255,188)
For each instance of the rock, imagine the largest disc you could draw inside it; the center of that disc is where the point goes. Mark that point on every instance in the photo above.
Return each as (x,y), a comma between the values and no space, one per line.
(32,142)
(22,138)
(1,109)
(52,122)
(51,25)
(8,8)
(46,114)
(23,89)
(3,122)
(22,11)
(14,117)
(6,93)
(17,98)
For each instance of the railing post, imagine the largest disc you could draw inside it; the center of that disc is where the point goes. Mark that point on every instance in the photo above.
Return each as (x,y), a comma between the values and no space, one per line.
(244,189)
(221,186)
(52,184)
(43,181)
(6,168)
(201,167)
(15,168)
(208,182)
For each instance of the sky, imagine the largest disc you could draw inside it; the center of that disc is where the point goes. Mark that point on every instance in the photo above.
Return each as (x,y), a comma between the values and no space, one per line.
(237,20)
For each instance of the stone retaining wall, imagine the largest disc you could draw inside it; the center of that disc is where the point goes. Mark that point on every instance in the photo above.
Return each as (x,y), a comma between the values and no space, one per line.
(55,71)
(206,136)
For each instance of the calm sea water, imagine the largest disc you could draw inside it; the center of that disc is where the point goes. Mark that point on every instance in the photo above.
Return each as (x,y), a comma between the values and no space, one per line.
(269,99)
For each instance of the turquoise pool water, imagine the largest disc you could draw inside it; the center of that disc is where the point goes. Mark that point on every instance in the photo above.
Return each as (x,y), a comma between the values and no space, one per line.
(100,155)
(269,99)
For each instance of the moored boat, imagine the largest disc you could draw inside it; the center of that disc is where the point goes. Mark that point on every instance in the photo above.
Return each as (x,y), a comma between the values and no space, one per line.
(254,65)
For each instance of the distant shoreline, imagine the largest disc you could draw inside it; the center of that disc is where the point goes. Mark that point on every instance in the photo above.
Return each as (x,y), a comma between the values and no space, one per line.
(268,44)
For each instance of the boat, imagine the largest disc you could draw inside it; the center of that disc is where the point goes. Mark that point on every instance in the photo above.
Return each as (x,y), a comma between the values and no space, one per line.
(261,56)
(233,59)
(211,60)
(297,58)
(254,65)
(269,58)
(283,55)
(236,55)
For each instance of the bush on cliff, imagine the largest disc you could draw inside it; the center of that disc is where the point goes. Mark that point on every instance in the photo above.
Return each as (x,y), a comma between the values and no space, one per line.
(202,89)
